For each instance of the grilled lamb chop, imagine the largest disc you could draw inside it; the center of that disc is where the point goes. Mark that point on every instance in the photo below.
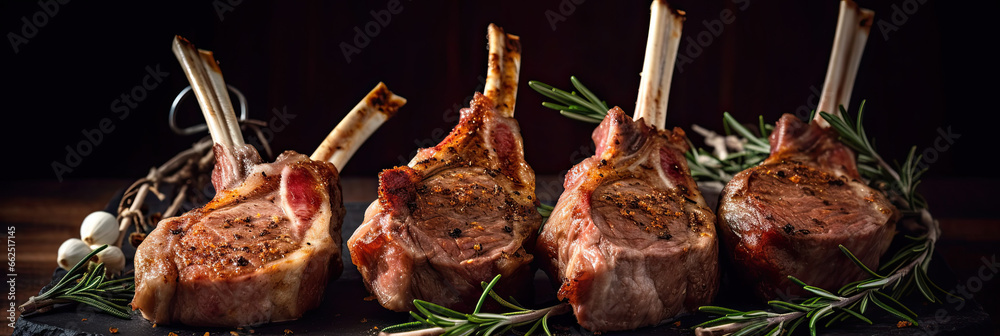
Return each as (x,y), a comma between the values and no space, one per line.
(264,248)
(788,215)
(631,242)
(460,212)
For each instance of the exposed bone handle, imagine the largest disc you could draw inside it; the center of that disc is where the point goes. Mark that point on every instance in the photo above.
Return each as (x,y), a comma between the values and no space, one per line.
(227,114)
(210,89)
(664,39)
(378,106)
(853,26)
(503,69)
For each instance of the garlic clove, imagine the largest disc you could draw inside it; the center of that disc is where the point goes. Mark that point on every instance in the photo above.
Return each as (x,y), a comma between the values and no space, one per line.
(99,228)
(71,252)
(113,259)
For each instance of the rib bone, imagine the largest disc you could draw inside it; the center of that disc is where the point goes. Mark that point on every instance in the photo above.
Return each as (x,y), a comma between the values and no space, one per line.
(227,114)
(210,89)
(379,105)
(665,26)
(853,26)
(502,70)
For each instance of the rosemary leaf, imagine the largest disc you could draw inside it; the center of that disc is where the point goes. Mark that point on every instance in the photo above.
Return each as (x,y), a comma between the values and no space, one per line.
(403,327)
(743,131)
(796,324)
(777,329)
(897,303)
(921,280)
(858,262)
(450,322)
(545,324)
(533,328)
(586,93)
(889,309)
(580,117)
(717,310)
(751,329)
(856,315)
(786,306)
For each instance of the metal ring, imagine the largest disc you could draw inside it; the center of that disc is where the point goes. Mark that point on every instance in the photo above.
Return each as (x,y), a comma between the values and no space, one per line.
(201,127)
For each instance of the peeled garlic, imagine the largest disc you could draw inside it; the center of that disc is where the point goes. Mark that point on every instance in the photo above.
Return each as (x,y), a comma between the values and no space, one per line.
(112,257)
(99,228)
(71,252)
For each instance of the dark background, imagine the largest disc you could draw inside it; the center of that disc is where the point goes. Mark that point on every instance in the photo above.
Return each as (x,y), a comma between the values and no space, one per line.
(936,71)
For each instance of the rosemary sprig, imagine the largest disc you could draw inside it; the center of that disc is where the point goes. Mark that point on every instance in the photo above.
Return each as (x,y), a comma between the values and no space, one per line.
(826,308)
(872,166)
(434,319)
(906,269)
(87,285)
(704,165)
(584,106)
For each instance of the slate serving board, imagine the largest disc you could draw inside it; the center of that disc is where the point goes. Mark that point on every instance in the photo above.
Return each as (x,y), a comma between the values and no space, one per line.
(347,309)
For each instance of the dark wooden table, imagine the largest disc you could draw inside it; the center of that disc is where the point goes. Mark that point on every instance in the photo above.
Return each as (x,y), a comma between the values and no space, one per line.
(46,213)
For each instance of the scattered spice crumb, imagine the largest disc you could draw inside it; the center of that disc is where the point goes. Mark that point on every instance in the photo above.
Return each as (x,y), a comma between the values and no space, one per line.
(113,330)
(83,319)
(902,324)
(172,334)
(376,327)
(154,325)
(364,320)
(288,332)
(370,297)
(677,324)
(206,333)
(234,333)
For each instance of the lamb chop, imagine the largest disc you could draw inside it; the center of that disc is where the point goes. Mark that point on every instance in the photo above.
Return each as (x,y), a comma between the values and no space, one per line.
(631,242)
(263,249)
(460,212)
(788,215)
